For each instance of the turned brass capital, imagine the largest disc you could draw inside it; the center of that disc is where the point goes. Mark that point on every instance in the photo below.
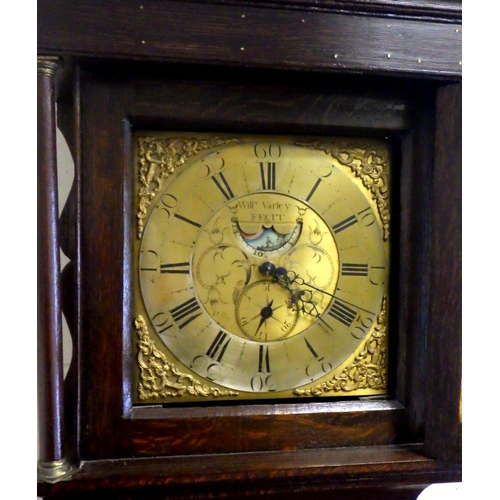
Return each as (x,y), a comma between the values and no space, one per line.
(52,472)
(47,65)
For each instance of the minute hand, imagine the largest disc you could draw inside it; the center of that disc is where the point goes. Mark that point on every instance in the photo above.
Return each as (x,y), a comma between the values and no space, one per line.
(285,278)
(300,281)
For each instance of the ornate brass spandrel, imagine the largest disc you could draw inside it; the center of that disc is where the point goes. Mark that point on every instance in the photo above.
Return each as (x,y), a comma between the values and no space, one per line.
(159,378)
(368,370)
(158,158)
(369,163)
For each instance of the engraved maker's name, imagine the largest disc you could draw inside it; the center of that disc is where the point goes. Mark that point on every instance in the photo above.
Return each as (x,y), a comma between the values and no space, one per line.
(262,205)
(264,211)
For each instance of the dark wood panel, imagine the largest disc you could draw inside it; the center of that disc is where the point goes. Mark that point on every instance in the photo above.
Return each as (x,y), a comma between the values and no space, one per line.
(352,472)
(274,103)
(431,9)
(249,36)
(413,256)
(106,198)
(264,427)
(103,264)
(444,368)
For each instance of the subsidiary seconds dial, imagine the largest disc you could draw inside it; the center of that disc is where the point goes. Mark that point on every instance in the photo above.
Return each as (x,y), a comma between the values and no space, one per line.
(265,313)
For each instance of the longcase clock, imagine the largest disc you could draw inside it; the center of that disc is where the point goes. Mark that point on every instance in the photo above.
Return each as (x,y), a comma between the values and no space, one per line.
(264,245)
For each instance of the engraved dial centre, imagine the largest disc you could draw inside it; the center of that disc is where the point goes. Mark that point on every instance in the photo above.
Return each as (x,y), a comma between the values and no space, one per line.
(231,247)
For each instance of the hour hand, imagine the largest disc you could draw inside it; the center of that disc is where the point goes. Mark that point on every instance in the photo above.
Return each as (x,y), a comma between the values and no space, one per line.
(302,300)
(267,268)
(287,278)
(280,274)
(265,313)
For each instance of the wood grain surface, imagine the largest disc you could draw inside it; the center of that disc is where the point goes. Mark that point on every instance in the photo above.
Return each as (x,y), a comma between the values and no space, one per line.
(251,35)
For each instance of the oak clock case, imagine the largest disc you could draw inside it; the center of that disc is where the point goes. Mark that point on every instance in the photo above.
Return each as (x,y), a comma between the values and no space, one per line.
(261,267)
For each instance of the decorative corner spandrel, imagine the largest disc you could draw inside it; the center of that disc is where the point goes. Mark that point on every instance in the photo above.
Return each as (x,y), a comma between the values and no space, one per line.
(368,162)
(368,370)
(158,158)
(159,378)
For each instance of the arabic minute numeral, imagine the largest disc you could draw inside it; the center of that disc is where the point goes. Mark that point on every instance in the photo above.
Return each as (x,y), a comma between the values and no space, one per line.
(149,259)
(360,327)
(162,322)
(318,364)
(264,379)
(265,151)
(377,275)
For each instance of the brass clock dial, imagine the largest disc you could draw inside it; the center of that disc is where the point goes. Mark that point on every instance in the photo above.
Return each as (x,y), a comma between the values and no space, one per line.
(262,266)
